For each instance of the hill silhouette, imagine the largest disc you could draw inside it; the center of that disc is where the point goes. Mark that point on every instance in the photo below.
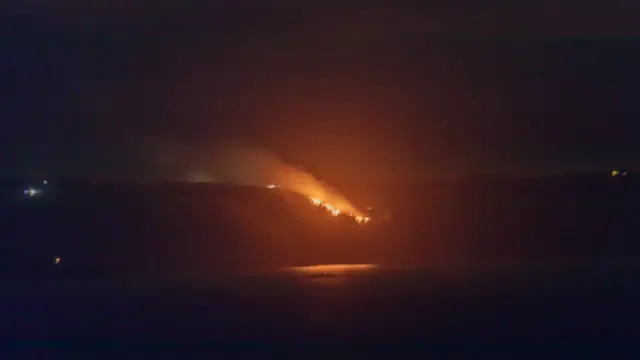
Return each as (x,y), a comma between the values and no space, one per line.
(119,229)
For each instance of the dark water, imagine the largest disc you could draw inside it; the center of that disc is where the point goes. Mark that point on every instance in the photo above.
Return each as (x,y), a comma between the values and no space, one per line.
(526,268)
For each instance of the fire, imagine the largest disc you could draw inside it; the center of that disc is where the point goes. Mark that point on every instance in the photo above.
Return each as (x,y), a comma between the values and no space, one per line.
(241,163)
(334,211)
(336,207)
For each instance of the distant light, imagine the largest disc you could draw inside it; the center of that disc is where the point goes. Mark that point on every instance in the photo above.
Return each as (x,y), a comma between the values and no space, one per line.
(31,192)
(56,260)
(617,173)
(44,182)
(272,186)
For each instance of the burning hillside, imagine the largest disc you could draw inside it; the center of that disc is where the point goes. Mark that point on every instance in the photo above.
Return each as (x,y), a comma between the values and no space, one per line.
(333,210)
(243,164)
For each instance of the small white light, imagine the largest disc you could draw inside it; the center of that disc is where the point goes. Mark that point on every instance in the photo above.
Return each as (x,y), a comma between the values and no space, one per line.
(31,192)
(45,182)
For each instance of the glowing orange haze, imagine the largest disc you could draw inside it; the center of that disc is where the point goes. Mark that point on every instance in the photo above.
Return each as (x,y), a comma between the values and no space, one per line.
(318,193)
(248,165)
(332,269)
(336,210)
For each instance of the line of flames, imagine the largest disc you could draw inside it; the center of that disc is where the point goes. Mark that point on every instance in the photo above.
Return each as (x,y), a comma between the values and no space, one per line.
(334,211)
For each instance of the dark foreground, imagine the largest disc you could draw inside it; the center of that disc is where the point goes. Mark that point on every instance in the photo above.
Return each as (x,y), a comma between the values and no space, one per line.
(577,311)
(529,268)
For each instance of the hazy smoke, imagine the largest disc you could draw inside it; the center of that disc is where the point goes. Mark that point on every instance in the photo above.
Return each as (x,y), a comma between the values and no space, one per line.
(244,164)
(200,177)
(240,163)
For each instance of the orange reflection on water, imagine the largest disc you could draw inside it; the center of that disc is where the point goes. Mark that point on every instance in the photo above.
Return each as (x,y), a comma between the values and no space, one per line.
(332,269)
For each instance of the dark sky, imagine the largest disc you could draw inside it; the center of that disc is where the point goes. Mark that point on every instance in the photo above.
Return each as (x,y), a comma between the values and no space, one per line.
(351,92)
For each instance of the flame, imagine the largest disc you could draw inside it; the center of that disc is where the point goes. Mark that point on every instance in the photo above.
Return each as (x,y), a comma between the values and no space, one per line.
(245,164)
(334,211)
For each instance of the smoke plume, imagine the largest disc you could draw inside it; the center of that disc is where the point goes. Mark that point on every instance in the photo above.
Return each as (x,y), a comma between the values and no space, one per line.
(244,164)
(240,163)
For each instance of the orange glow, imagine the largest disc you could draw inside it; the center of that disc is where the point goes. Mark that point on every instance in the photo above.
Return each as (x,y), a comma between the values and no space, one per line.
(362,219)
(334,211)
(244,164)
(332,269)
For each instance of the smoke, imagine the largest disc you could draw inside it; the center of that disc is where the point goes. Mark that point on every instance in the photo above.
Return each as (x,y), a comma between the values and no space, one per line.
(200,177)
(240,163)
(245,164)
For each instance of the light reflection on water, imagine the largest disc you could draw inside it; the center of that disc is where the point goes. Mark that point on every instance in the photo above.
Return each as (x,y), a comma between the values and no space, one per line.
(330,273)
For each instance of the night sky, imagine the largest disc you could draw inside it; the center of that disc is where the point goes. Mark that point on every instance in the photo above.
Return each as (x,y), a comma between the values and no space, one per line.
(352,93)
